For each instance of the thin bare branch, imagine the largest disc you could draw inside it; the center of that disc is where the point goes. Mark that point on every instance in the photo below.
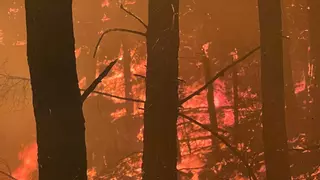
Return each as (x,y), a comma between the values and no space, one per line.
(140,76)
(5,163)
(8,175)
(204,126)
(224,141)
(134,16)
(116,30)
(144,77)
(15,77)
(118,97)
(95,83)
(96,92)
(219,74)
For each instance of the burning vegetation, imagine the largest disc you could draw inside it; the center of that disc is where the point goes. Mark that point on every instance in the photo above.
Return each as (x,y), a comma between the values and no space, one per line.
(220,93)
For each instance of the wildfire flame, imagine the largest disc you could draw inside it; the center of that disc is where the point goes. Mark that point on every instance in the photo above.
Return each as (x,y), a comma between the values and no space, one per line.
(91,173)
(28,158)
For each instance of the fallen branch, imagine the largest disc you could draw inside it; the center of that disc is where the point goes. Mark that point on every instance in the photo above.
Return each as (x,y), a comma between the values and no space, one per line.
(219,74)
(224,141)
(116,30)
(134,16)
(95,83)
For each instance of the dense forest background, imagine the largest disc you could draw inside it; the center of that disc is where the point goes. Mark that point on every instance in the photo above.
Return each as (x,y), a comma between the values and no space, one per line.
(225,131)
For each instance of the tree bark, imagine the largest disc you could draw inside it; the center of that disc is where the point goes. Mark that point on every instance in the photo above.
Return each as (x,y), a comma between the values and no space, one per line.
(56,95)
(161,107)
(314,29)
(273,98)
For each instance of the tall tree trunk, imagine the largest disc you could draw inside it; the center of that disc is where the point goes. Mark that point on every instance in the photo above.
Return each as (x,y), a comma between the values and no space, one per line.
(273,100)
(208,173)
(127,74)
(314,29)
(161,107)
(290,97)
(56,95)
(210,94)
(236,100)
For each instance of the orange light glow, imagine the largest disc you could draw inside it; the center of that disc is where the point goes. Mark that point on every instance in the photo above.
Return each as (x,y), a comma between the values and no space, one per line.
(118,114)
(77,52)
(91,173)
(105,3)
(28,158)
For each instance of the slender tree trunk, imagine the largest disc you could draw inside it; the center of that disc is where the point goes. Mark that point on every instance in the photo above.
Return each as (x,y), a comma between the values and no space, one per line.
(212,159)
(236,101)
(290,97)
(314,29)
(161,107)
(56,95)
(127,74)
(210,94)
(273,98)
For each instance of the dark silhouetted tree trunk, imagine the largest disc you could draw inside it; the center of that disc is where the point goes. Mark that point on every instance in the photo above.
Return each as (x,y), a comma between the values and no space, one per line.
(273,98)
(56,95)
(314,29)
(161,107)
(208,173)
(210,94)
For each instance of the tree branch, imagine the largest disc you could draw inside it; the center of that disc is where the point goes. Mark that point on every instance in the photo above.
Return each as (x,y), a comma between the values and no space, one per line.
(95,83)
(7,175)
(96,92)
(144,77)
(116,30)
(203,126)
(224,141)
(117,97)
(140,76)
(219,74)
(3,161)
(134,16)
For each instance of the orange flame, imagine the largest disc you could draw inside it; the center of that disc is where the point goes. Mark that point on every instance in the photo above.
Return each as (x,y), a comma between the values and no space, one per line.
(105,3)
(77,52)
(29,164)
(205,48)
(91,173)
(118,113)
